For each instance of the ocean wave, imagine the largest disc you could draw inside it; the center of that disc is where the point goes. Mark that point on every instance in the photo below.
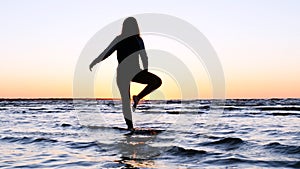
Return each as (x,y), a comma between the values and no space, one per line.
(27,140)
(227,141)
(65,125)
(176,150)
(284,114)
(37,109)
(83,145)
(232,161)
(284,149)
(232,108)
(278,108)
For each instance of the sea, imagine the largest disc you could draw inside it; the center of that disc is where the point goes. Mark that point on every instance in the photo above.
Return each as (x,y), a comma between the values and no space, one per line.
(91,133)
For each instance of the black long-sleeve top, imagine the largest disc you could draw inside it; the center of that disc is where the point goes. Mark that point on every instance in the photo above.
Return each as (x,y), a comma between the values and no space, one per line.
(132,45)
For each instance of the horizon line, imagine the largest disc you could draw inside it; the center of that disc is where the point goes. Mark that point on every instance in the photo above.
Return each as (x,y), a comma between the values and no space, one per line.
(89,98)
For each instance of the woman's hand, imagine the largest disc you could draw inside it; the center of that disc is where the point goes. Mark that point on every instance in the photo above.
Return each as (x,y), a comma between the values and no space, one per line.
(91,66)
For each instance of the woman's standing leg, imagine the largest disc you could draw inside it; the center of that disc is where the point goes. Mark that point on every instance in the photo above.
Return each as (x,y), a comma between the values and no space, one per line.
(124,88)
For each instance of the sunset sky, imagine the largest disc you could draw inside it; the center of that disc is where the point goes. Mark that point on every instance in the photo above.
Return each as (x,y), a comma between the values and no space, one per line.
(257,42)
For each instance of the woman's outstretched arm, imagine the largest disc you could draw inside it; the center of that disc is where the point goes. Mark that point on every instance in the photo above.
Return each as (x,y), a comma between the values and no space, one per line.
(107,52)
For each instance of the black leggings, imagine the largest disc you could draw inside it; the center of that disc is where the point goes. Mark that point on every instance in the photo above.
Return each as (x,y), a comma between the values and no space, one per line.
(153,82)
(123,80)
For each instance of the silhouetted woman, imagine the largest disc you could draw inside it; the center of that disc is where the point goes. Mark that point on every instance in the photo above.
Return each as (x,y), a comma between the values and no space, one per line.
(129,46)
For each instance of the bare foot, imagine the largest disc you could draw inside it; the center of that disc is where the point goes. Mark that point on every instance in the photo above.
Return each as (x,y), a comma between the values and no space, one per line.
(129,124)
(131,129)
(136,100)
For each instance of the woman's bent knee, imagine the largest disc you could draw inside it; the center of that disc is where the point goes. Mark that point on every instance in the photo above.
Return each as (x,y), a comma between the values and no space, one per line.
(158,82)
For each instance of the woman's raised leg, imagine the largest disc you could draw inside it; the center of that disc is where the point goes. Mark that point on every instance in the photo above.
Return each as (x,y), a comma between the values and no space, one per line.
(153,82)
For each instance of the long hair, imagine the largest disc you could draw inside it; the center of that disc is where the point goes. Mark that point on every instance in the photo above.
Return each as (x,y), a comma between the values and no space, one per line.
(130,27)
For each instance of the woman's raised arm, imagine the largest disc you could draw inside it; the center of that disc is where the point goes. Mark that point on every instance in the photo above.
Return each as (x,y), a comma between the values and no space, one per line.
(107,52)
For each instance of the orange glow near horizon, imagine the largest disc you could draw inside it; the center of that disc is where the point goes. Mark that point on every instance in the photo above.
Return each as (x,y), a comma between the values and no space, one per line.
(235,88)
(243,84)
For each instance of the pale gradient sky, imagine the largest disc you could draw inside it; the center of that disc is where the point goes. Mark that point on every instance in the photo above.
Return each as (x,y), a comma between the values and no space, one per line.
(257,42)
